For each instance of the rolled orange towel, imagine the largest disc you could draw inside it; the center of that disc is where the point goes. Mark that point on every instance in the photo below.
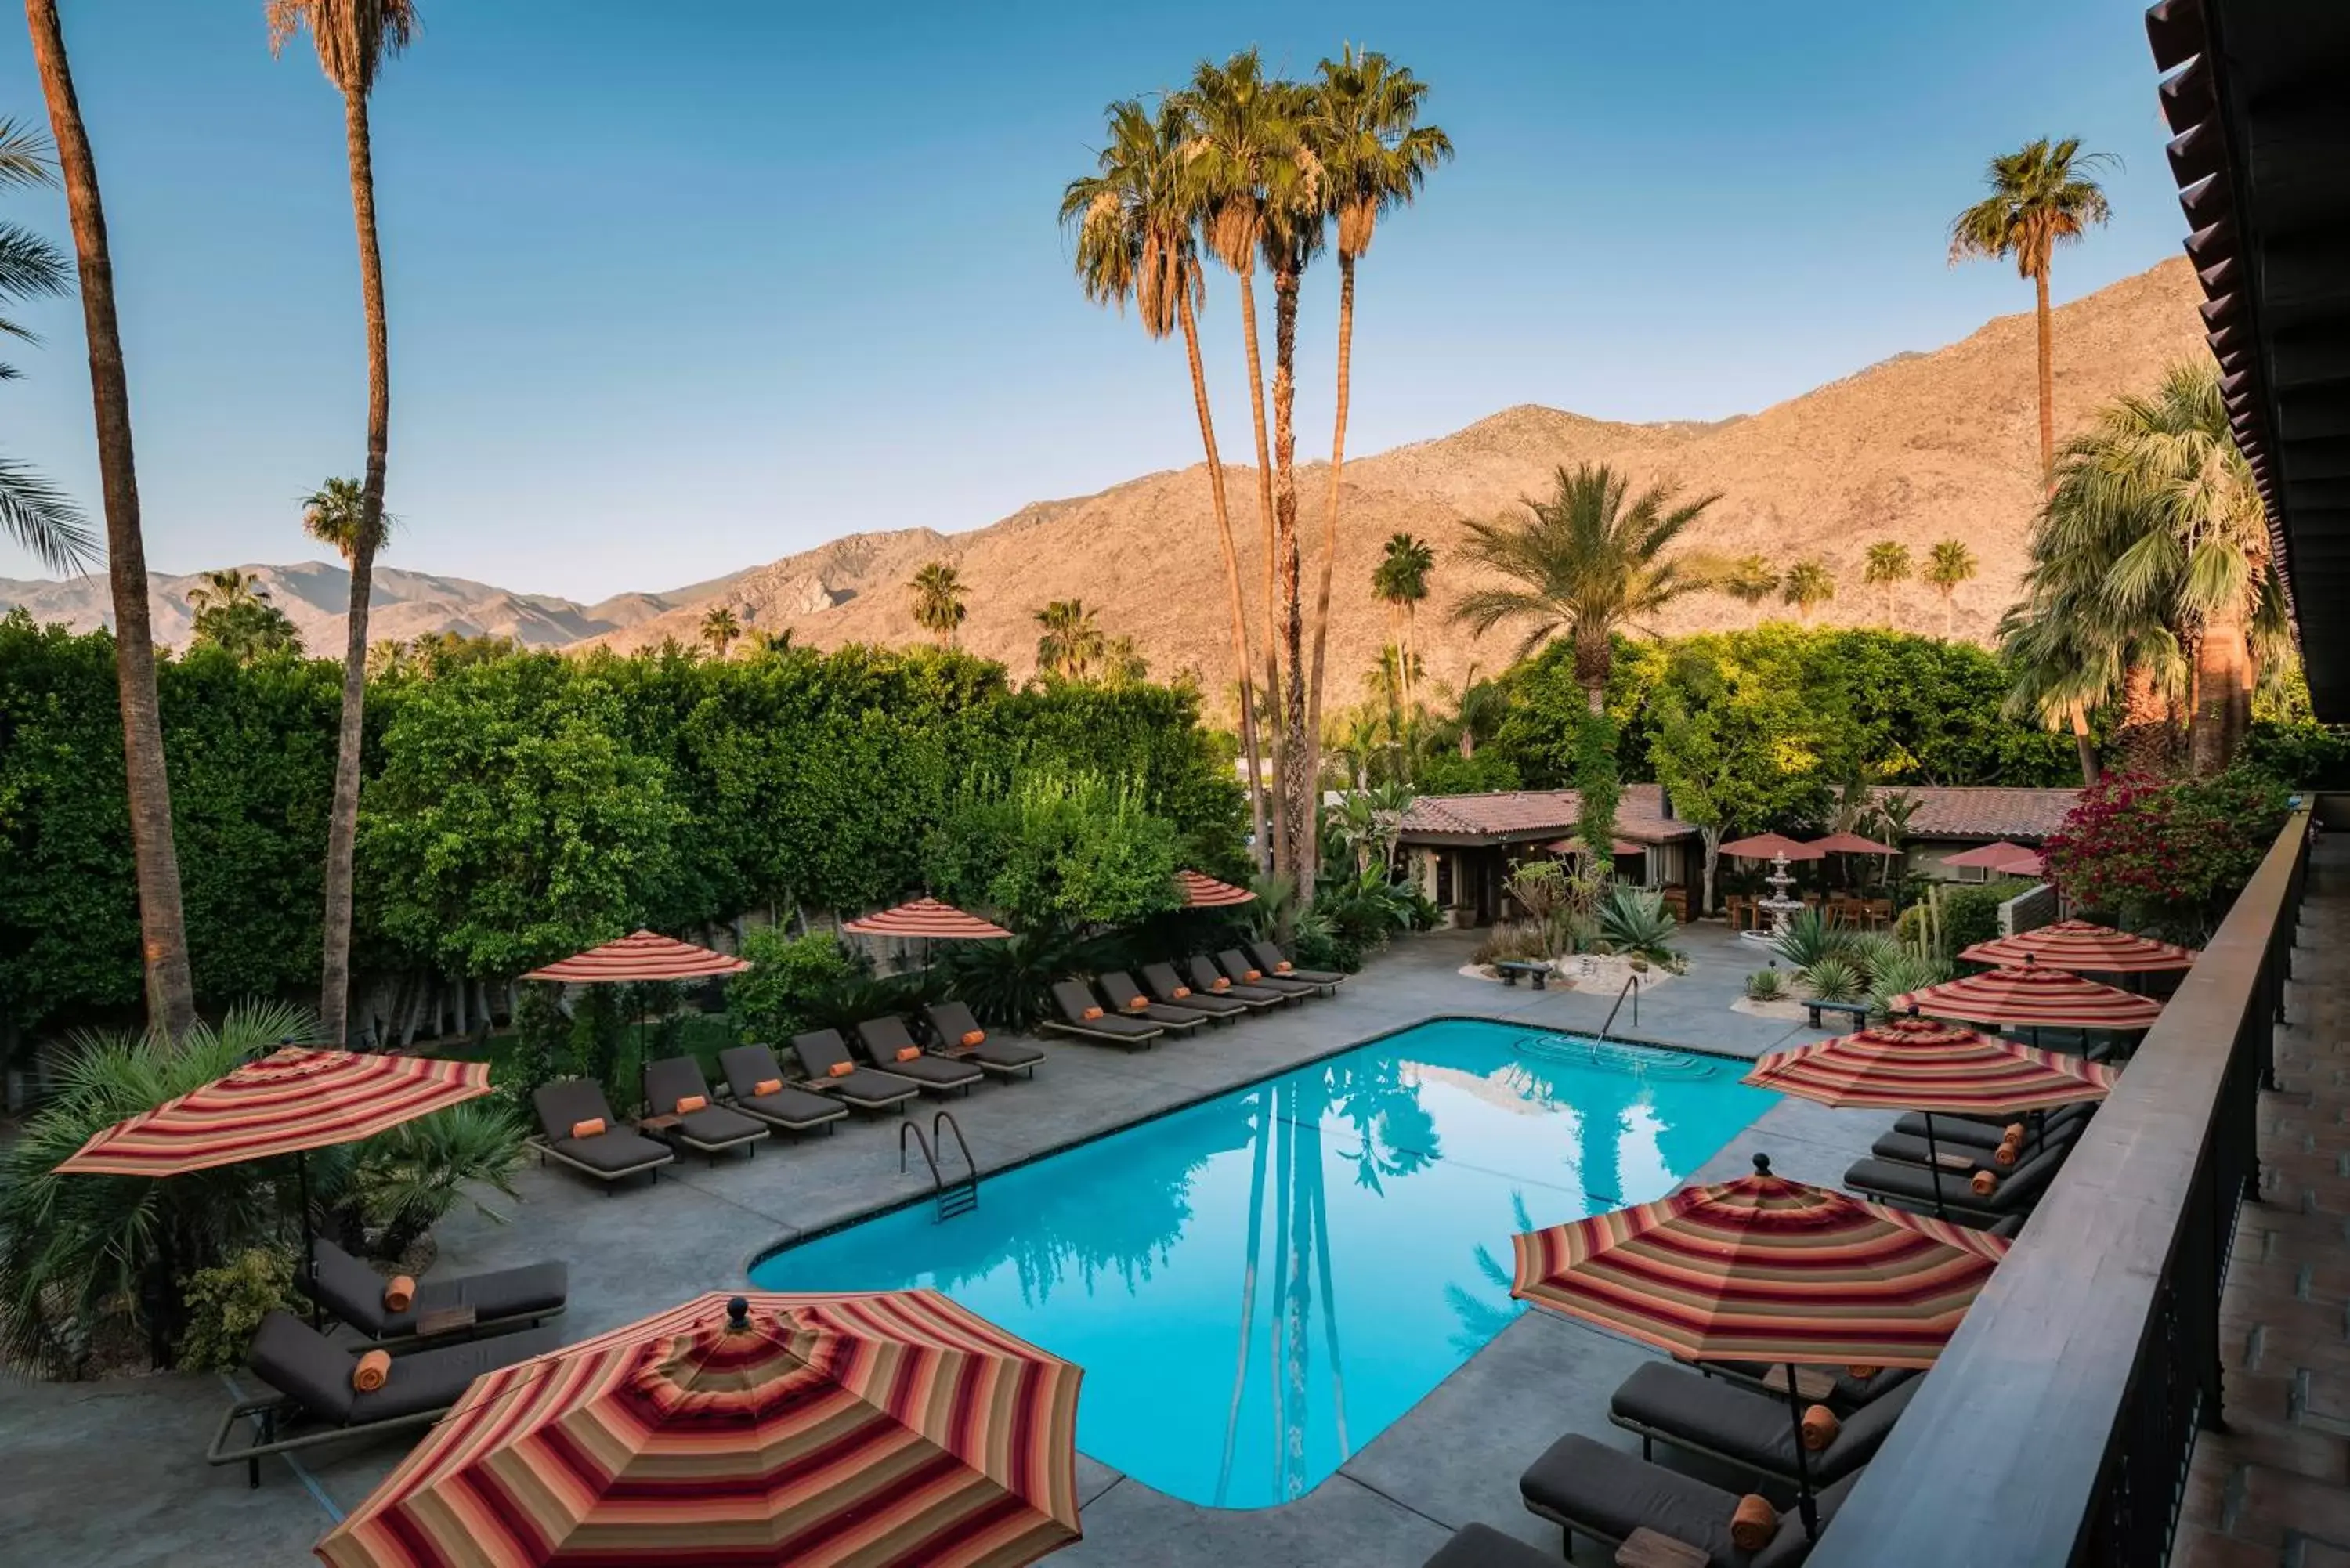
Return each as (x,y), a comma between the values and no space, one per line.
(368,1373)
(1090,1014)
(1137,1003)
(1252,974)
(974,1036)
(688,1103)
(397,1291)
(1752,1524)
(1222,984)
(908,1053)
(2006,1154)
(2012,1133)
(1819,1428)
(841,1069)
(1281,968)
(1984,1183)
(588,1128)
(1181,991)
(766,1086)
(1863,1374)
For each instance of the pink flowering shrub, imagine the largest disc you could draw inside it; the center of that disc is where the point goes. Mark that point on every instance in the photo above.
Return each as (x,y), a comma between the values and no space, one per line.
(2166,854)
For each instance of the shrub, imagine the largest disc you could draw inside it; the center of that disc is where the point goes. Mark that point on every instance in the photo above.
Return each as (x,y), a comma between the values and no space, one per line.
(542,1042)
(2166,856)
(1906,972)
(777,996)
(1071,849)
(1360,916)
(402,1182)
(1870,952)
(1832,980)
(1009,985)
(1635,920)
(1969,912)
(1809,938)
(1508,940)
(225,1304)
(1765,985)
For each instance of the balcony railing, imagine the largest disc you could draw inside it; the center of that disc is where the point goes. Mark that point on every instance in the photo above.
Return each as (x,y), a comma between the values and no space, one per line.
(2057,1427)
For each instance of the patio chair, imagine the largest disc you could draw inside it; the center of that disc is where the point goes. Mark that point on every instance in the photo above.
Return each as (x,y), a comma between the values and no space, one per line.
(1739,909)
(1879,912)
(1241,970)
(1849,1393)
(1128,1000)
(1274,961)
(890,1048)
(756,1083)
(961,1038)
(682,1112)
(462,1306)
(824,1056)
(1744,1427)
(1087,1019)
(1913,1187)
(1984,1132)
(1587,1488)
(1963,1160)
(1167,986)
(1207,980)
(314,1379)
(611,1153)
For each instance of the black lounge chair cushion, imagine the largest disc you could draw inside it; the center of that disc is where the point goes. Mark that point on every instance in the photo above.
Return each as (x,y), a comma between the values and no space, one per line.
(2017,1191)
(1849,1394)
(1482,1547)
(1981,1133)
(1074,1001)
(1748,1427)
(818,1049)
(354,1293)
(952,1020)
(1609,1493)
(1123,993)
(1204,975)
(717,1127)
(676,1078)
(614,1151)
(1164,984)
(884,1038)
(748,1066)
(311,1370)
(1270,959)
(1236,965)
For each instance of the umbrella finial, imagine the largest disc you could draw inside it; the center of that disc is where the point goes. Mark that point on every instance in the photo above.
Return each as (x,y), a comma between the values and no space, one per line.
(1761,1164)
(738,1312)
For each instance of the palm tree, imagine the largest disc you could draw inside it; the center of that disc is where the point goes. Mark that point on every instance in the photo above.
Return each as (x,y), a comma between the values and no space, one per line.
(721,628)
(938,593)
(353,38)
(226,588)
(1365,130)
(1584,563)
(234,613)
(1071,643)
(1400,582)
(1949,564)
(1122,662)
(1808,586)
(162,927)
(1749,579)
(1137,239)
(2066,665)
(2041,197)
(33,512)
(1887,567)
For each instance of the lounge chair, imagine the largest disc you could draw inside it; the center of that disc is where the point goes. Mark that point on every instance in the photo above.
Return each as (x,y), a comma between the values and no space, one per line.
(1167,987)
(1849,1394)
(1242,970)
(313,1378)
(824,1056)
(1979,1132)
(1914,1187)
(1210,980)
(893,1050)
(961,1039)
(1904,1148)
(1087,1019)
(708,1129)
(1276,963)
(1482,1547)
(1589,1488)
(1744,1427)
(750,1069)
(495,1301)
(1129,1001)
(610,1155)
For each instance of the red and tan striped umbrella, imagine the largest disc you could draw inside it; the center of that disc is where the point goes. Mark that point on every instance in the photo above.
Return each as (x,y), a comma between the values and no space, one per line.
(1200,892)
(294,1099)
(1763,1269)
(823,1430)
(1918,1065)
(1769,846)
(929,918)
(2032,996)
(2083,946)
(642,956)
(1998,856)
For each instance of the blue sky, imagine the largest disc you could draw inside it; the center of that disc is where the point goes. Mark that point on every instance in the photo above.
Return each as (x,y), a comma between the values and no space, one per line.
(668,301)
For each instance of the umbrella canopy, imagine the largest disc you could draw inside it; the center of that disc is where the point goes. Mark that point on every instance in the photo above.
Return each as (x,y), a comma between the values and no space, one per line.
(642,956)
(1994,857)
(2031,995)
(1851,844)
(1206,893)
(2083,945)
(926,918)
(844,1430)
(1917,1065)
(1771,846)
(297,1098)
(1763,1269)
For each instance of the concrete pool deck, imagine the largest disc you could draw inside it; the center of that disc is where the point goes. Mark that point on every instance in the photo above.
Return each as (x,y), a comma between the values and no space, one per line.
(112,1472)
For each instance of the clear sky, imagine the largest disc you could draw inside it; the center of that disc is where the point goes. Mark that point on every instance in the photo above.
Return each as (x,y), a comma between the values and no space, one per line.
(675,290)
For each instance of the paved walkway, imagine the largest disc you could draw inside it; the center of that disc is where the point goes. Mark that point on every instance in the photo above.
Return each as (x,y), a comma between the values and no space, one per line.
(2273,1491)
(70,1452)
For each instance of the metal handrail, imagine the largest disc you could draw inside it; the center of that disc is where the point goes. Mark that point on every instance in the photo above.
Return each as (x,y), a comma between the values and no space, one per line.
(1632,990)
(946,1119)
(910,1125)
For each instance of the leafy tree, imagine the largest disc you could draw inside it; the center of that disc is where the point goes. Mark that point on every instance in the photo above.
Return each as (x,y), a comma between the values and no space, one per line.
(1948,565)
(2043,195)
(937,594)
(721,628)
(1056,850)
(1584,563)
(1733,754)
(234,614)
(1887,567)
(1808,586)
(1072,642)
(2166,856)
(776,997)
(1123,664)
(1751,580)
(33,512)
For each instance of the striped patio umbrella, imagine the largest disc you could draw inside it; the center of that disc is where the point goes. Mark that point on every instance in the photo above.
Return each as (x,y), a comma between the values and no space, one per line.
(1994,857)
(1765,1269)
(2031,995)
(2083,946)
(641,956)
(1202,892)
(824,1430)
(928,918)
(1771,846)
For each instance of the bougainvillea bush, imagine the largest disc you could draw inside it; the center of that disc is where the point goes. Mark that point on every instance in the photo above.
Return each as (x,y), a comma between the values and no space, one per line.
(2166,857)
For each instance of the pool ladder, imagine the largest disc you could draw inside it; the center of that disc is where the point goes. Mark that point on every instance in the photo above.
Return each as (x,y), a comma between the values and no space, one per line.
(1632,990)
(954,1198)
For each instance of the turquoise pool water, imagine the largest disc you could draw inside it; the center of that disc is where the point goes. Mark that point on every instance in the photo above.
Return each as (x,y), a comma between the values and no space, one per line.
(1258,1284)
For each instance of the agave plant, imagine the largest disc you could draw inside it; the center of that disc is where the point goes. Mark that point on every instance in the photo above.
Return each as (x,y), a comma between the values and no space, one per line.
(1765,985)
(1833,979)
(1871,951)
(1910,972)
(1809,938)
(1635,920)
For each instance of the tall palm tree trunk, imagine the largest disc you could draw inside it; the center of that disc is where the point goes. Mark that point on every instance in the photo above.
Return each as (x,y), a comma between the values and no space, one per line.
(2145,738)
(2223,668)
(1298,786)
(343,820)
(1330,521)
(2047,381)
(1249,747)
(162,927)
(1282,738)
(2084,745)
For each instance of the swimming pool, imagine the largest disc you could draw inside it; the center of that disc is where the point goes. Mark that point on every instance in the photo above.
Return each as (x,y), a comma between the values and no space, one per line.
(1258,1284)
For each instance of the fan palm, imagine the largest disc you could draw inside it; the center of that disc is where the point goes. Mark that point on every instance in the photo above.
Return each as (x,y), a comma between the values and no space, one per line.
(1948,565)
(353,39)
(1808,585)
(721,628)
(2042,196)
(938,593)
(162,924)
(1584,563)
(33,512)
(227,588)
(1072,642)
(1136,220)
(1400,582)
(1751,580)
(1887,567)
(2066,665)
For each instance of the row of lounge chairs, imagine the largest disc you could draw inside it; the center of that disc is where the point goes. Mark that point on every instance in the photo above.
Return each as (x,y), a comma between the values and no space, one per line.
(1208,990)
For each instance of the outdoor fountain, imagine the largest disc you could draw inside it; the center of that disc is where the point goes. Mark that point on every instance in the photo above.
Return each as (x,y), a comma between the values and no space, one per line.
(1778,904)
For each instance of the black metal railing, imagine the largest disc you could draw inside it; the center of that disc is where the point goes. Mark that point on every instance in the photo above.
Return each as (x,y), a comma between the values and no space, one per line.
(2058,1426)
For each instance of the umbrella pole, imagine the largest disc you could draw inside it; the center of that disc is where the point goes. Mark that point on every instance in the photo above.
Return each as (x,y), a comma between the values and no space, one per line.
(309,1264)
(1809,1509)
(1934,1165)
